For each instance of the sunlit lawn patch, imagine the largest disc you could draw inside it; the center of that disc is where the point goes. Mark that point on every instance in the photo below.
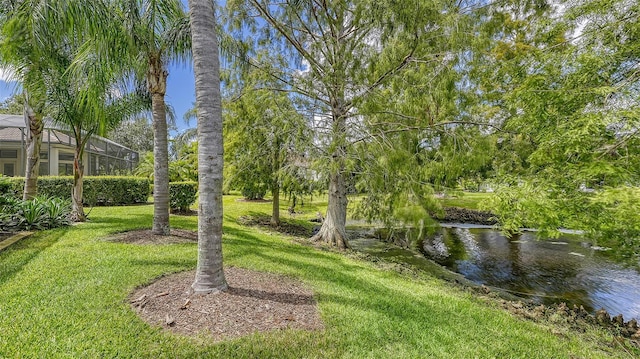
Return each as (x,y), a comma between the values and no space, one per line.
(63,294)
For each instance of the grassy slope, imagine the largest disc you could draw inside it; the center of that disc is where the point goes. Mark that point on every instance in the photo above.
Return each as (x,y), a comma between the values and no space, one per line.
(63,294)
(470,200)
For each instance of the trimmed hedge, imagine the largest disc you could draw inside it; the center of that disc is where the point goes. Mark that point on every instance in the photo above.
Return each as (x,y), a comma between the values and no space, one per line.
(97,190)
(5,185)
(182,195)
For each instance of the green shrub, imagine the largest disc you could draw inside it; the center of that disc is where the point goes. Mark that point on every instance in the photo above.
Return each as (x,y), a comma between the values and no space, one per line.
(13,186)
(57,213)
(31,214)
(52,186)
(254,191)
(9,207)
(97,190)
(182,195)
(108,190)
(38,213)
(5,185)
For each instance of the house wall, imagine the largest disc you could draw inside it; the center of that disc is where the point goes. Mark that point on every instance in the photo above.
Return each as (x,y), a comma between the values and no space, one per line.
(10,165)
(101,156)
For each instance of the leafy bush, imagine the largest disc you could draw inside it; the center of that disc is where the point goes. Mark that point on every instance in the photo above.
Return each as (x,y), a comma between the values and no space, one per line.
(254,191)
(107,190)
(38,213)
(9,206)
(31,214)
(182,195)
(5,185)
(98,190)
(57,213)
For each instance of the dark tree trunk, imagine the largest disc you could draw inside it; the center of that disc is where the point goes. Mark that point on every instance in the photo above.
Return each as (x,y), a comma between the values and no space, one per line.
(275,213)
(275,184)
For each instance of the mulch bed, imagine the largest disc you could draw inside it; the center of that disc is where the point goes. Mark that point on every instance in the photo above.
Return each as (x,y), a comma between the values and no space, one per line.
(144,236)
(254,302)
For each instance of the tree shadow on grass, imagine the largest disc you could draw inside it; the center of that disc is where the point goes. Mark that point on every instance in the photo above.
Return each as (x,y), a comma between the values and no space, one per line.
(339,273)
(121,221)
(309,264)
(288,298)
(251,244)
(20,254)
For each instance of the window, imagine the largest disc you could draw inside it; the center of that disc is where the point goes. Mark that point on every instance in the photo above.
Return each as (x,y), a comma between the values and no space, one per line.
(8,169)
(43,169)
(65,169)
(8,153)
(62,156)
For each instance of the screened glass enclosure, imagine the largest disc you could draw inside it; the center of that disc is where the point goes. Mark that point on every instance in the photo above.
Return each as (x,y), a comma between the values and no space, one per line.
(102,156)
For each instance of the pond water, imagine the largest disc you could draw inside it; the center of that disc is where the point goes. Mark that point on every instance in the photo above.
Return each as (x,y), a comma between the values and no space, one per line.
(547,271)
(567,269)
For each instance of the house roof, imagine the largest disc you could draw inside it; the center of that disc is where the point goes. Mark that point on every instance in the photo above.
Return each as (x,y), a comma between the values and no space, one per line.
(11,121)
(11,131)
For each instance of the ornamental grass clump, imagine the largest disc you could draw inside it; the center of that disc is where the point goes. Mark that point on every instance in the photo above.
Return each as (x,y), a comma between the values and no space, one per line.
(35,214)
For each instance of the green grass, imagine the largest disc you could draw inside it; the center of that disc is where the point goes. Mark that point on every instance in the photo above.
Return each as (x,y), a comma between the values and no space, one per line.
(63,295)
(470,200)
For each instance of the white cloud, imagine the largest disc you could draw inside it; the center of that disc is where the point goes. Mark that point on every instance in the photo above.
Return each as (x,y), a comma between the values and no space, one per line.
(6,75)
(305,68)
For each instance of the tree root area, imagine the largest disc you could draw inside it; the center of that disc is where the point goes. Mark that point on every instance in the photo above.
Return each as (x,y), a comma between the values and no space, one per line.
(254,302)
(332,238)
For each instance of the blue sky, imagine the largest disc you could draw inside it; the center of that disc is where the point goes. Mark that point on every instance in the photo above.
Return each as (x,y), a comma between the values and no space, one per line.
(180,89)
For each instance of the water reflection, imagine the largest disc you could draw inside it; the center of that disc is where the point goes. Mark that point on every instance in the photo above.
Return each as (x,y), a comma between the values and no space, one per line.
(565,269)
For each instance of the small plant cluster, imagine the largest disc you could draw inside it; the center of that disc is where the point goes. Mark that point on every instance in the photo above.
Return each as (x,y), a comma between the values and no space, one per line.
(98,190)
(254,191)
(182,195)
(37,213)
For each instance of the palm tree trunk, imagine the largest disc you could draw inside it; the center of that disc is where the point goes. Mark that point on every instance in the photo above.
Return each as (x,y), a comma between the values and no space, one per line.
(157,82)
(34,143)
(77,210)
(209,272)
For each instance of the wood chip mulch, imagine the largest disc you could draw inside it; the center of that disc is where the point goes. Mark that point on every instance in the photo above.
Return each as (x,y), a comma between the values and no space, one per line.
(254,302)
(144,236)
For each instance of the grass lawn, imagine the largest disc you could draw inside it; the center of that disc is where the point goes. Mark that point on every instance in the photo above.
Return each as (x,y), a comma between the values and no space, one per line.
(63,294)
(470,200)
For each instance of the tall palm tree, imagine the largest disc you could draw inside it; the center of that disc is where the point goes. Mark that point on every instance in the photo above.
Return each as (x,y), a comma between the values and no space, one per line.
(22,50)
(84,97)
(32,34)
(158,33)
(209,273)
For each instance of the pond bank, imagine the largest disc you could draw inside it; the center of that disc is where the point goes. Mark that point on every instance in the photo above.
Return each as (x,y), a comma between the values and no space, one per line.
(366,246)
(574,316)
(469,216)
